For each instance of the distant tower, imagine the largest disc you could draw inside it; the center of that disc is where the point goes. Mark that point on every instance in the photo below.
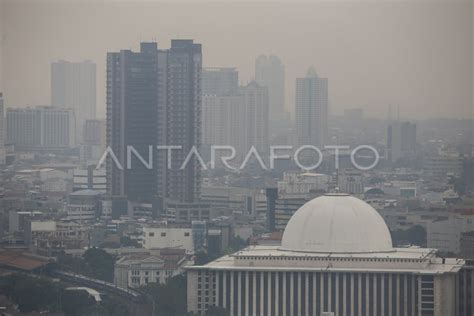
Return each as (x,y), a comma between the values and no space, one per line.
(311,109)
(73,86)
(270,73)
(401,140)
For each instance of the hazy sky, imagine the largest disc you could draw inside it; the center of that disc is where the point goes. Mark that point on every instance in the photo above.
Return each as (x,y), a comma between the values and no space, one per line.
(415,54)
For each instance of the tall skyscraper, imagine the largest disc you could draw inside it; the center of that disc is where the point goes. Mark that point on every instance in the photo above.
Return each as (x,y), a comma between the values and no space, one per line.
(220,81)
(183,120)
(311,109)
(154,99)
(73,86)
(2,131)
(41,128)
(223,109)
(270,73)
(132,114)
(401,140)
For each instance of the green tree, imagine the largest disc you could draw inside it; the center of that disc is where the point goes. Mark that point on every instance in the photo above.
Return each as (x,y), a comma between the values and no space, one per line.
(31,293)
(169,298)
(95,263)
(99,264)
(415,235)
(76,303)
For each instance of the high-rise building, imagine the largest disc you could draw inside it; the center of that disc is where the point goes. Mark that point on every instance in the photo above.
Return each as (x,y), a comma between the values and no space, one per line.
(270,73)
(132,120)
(222,114)
(73,86)
(256,109)
(2,131)
(220,81)
(41,128)
(401,140)
(183,121)
(311,109)
(223,118)
(336,258)
(154,99)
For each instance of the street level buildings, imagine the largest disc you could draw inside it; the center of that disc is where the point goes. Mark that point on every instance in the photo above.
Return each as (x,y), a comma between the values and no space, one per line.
(73,86)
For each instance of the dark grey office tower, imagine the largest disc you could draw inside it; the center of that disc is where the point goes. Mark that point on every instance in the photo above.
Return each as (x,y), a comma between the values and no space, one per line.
(183,120)
(154,99)
(132,111)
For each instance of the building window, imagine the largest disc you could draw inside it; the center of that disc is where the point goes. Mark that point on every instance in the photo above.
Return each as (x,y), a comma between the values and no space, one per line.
(186,234)
(151,234)
(163,234)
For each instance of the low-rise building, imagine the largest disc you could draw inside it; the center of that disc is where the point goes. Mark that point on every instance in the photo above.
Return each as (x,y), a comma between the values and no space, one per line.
(302,183)
(446,163)
(83,206)
(89,178)
(18,219)
(49,238)
(351,181)
(139,270)
(168,236)
(187,212)
(445,235)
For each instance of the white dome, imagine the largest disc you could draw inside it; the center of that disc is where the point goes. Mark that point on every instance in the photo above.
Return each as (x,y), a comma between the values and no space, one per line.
(337,223)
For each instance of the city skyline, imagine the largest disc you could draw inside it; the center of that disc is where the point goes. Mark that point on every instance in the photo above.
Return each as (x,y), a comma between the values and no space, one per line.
(231,158)
(390,61)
